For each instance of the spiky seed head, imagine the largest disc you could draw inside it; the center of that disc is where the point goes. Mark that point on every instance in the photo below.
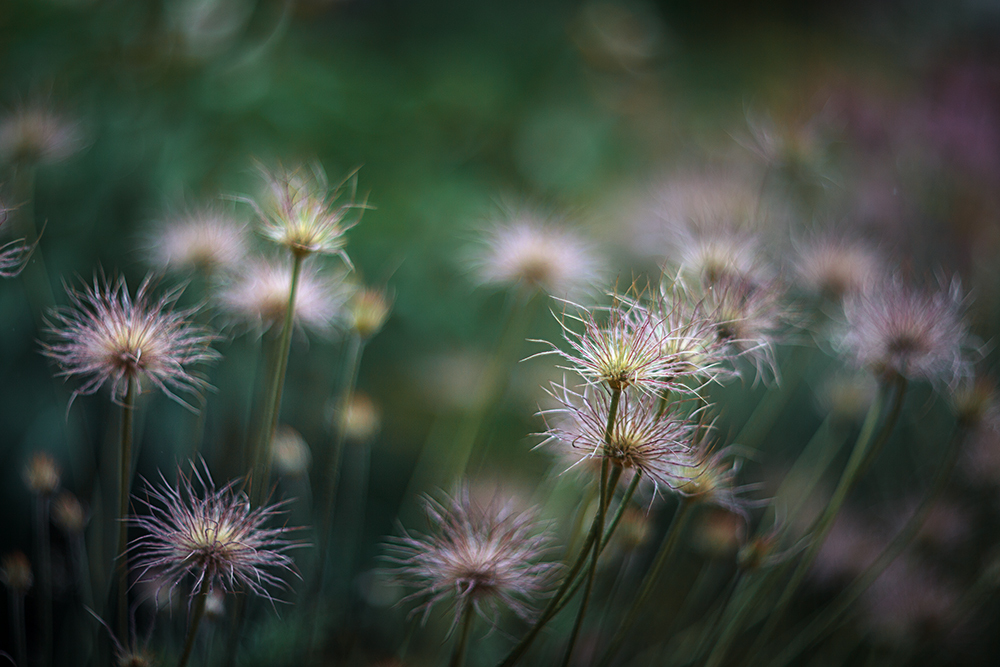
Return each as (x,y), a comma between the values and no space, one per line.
(894,329)
(301,212)
(42,474)
(68,513)
(35,134)
(487,556)
(367,311)
(836,268)
(710,477)
(205,240)
(257,297)
(212,536)
(529,250)
(291,453)
(14,256)
(108,337)
(15,572)
(641,438)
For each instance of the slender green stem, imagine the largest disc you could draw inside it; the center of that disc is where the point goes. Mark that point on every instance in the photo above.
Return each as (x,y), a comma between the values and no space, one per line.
(124,485)
(820,625)
(571,584)
(759,424)
(276,385)
(665,553)
(45,574)
(868,443)
(197,612)
(17,620)
(458,655)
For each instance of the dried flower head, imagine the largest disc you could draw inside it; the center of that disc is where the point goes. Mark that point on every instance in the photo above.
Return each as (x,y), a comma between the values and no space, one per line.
(641,438)
(624,350)
(527,250)
(258,296)
(204,240)
(368,310)
(836,268)
(42,474)
(37,135)
(484,556)
(896,330)
(710,478)
(15,572)
(212,534)
(107,337)
(68,513)
(301,212)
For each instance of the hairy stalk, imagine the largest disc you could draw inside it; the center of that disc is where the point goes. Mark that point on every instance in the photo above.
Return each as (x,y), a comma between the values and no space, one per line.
(458,655)
(45,574)
(197,612)
(571,584)
(663,556)
(820,625)
(865,448)
(124,485)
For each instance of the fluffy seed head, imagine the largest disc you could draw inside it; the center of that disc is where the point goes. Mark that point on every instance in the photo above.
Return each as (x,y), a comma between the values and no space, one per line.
(211,534)
(711,478)
(641,439)
(529,251)
(368,310)
(290,452)
(107,337)
(257,296)
(837,268)
(38,135)
(302,213)
(42,475)
(896,330)
(484,556)
(361,419)
(68,513)
(15,572)
(203,240)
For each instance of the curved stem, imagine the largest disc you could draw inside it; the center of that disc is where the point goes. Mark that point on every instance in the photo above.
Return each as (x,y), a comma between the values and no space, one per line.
(124,485)
(196,615)
(820,625)
(865,449)
(663,556)
(458,655)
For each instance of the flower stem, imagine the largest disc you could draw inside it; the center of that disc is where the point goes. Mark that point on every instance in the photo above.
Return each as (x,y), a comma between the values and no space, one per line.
(45,574)
(824,621)
(865,449)
(663,556)
(458,655)
(196,615)
(276,385)
(124,485)
(17,620)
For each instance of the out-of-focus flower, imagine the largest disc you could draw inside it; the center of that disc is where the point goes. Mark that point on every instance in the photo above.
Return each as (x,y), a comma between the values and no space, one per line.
(847,395)
(37,135)
(291,453)
(258,296)
(42,475)
(204,240)
(68,513)
(641,439)
(616,36)
(488,557)
(107,337)
(721,257)
(211,534)
(15,572)
(527,250)
(367,310)
(718,533)
(837,268)
(361,420)
(709,477)
(302,213)
(896,330)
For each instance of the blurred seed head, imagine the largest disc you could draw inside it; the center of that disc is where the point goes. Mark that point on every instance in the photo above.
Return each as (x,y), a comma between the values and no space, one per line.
(847,395)
(487,556)
(291,453)
(719,533)
(709,477)
(837,268)
(211,534)
(107,337)
(68,513)
(531,251)
(15,572)
(215,605)
(257,296)
(894,329)
(205,240)
(35,134)
(974,402)
(300,211)
(367,311)
(641,438)
(362,419)
(42,474)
